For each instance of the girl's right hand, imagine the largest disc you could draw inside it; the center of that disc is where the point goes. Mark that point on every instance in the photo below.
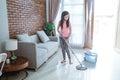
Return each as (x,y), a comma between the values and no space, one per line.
(60,34)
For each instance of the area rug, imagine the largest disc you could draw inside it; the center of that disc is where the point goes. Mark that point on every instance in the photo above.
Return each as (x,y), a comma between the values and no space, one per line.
(19,75)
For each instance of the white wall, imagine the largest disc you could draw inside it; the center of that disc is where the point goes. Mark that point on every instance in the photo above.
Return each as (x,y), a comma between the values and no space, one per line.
(4,33)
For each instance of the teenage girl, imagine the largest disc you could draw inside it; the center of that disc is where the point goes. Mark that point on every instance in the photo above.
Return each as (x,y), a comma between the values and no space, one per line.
(64,29)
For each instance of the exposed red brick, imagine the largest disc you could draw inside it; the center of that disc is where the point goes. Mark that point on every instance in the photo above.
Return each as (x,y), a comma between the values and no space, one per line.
(25,16)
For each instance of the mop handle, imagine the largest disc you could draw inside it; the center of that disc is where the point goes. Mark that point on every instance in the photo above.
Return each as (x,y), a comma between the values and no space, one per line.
(70,49)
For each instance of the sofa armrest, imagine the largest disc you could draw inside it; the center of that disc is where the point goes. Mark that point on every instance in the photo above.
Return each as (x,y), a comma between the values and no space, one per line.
(28,50)
(53,38)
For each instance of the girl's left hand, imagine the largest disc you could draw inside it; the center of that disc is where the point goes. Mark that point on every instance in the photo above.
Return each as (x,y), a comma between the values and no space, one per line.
(67,40)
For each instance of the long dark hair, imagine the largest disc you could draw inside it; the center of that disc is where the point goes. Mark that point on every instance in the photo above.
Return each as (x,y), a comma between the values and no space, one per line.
(64,13)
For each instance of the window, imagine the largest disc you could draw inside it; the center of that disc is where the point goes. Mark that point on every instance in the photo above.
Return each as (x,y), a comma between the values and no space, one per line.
(76,10)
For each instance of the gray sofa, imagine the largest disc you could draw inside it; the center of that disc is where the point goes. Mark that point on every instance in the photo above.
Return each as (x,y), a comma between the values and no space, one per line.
(36,51)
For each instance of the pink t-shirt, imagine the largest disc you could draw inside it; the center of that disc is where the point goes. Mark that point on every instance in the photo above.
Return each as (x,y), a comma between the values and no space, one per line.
(65,30)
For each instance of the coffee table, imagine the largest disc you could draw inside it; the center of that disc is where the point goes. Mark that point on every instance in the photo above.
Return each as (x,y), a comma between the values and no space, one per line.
(21,64)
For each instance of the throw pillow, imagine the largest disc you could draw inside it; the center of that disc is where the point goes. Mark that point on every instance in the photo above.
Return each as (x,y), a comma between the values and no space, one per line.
(42,35)
(23,37)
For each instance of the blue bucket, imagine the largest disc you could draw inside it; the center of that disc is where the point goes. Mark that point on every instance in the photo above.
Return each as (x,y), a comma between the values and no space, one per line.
(90,57)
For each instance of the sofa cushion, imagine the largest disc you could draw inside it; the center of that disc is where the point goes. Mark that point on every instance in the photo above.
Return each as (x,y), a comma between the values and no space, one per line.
(23,37)
(48,45)
(42,35)
(34,38)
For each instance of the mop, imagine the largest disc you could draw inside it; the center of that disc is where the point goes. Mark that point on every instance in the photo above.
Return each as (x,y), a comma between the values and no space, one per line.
(80,66)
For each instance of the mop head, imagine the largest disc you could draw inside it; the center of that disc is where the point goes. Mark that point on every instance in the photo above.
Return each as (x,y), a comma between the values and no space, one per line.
(81,67)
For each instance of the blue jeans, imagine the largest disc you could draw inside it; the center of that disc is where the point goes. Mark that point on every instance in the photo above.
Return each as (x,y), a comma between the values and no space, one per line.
(64,47)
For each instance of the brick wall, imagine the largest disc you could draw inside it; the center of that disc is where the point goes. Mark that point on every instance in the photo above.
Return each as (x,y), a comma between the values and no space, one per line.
(25,16)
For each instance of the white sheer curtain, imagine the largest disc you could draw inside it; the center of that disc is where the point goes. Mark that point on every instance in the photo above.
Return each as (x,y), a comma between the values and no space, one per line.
(76,10)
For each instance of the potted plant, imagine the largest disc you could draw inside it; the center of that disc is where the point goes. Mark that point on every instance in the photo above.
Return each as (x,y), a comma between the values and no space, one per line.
(49,28)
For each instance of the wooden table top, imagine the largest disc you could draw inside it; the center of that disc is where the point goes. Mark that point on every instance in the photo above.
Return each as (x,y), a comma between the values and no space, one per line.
(21,63)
